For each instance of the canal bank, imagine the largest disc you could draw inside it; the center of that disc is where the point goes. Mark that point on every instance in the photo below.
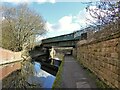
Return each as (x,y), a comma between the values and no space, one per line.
(39,79)
(42,77)
(58,83)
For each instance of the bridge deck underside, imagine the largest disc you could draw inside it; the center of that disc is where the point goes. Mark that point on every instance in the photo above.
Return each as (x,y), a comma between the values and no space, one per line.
(61,44)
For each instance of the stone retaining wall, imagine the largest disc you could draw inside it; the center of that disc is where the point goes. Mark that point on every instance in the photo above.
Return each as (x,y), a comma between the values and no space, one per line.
(102,56)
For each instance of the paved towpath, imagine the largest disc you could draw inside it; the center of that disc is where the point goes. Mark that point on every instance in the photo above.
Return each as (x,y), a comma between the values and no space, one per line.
(74,76)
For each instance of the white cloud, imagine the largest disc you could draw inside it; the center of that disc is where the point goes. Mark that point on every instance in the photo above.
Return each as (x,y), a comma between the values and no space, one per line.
(52,1)
(81,18)
(103,14)
(84,18)
(98,11)
(2,18)
(29,1)
(64,25)
(15,1)
(77,0)
(66,20)
(68,24)
(43,1)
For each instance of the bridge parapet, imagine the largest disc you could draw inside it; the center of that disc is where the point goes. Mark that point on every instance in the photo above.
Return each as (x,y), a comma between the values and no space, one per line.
(10,61)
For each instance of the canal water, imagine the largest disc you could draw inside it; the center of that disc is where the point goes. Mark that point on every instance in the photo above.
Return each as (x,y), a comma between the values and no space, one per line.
(41,77)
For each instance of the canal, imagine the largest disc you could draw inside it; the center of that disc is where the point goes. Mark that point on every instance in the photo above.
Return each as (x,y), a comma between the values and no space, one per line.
(43,73)
(41,77)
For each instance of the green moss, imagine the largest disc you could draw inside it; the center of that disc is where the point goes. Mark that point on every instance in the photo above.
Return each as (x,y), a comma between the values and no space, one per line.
(58,81)
(101,84)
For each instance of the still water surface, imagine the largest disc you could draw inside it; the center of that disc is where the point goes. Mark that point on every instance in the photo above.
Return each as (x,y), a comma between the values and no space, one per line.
(41,77)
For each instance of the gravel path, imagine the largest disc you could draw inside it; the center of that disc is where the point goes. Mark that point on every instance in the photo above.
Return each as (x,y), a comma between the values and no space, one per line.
(74,76)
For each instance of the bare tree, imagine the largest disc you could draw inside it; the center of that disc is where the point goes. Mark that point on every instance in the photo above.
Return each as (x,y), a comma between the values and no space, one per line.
(21,25)
(106,12)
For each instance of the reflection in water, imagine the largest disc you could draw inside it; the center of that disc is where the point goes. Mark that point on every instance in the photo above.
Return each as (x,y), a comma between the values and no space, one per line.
(47,79)
(41,77)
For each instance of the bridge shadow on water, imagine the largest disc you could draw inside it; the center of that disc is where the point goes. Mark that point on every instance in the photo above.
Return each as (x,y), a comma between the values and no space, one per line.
(46,65)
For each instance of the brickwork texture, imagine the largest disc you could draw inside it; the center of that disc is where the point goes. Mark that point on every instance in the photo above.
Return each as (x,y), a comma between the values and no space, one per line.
(102,56)
(9,62)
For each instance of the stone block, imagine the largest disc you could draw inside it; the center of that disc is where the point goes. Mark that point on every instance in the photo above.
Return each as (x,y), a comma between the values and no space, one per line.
(103,59)
(114,55)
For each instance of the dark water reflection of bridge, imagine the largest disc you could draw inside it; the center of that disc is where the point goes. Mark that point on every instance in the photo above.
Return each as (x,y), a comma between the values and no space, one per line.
(44,72)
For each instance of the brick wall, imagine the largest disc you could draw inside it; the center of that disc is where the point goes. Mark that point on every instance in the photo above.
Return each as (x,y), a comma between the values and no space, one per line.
(8,69)
(7,55)
(9,62)
(102,57)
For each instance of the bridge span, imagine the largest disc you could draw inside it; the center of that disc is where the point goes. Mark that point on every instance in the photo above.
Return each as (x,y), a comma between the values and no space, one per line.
(67,40)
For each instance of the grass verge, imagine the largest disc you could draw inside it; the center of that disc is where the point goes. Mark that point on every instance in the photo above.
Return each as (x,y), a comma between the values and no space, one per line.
(58,81)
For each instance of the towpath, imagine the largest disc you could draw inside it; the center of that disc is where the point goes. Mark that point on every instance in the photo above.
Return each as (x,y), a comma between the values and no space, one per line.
(74,76)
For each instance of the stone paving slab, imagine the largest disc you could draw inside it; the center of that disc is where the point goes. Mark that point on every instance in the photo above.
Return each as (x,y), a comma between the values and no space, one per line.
(74,76)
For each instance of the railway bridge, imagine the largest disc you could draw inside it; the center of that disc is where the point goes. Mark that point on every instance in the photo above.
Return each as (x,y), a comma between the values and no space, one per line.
(67,40)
